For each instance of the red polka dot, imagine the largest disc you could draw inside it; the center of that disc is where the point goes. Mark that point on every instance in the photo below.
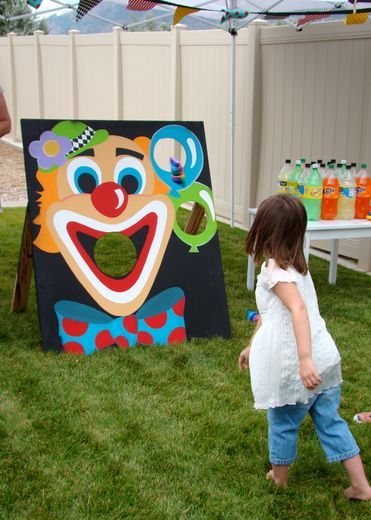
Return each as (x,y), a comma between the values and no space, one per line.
(73,327)
(130,324)
(104,340)
(179,307)
(178,335)
(145,338)
(73,347)
(158,321)
(122,342)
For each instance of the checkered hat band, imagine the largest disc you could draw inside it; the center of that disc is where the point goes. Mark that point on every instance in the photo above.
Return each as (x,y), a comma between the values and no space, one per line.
(82,140)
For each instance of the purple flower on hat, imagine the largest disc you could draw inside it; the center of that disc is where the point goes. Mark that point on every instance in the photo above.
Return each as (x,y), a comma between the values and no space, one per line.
(50,151)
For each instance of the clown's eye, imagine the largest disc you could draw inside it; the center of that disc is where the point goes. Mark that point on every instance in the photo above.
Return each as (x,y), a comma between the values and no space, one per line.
(83,175)
(86,179)
(131,175)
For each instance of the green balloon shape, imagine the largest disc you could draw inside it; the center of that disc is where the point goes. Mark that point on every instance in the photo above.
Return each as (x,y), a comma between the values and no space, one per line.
(202,194)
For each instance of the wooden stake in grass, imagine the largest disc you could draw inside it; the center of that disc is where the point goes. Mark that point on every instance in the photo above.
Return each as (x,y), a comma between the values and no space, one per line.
(24,269)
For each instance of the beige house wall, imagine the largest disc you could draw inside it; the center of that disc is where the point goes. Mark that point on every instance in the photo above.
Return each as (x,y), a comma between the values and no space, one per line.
(297,94)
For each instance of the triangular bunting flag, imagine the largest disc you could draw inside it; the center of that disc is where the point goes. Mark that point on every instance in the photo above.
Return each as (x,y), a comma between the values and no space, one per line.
(308,18)
(140,5)
(181,12)
(85,6)
(355,18)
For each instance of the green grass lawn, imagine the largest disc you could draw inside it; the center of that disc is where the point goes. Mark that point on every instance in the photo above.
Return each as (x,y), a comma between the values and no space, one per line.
(165,433)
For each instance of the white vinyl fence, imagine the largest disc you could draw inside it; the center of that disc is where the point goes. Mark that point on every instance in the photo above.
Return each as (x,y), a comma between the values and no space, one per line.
(298,94)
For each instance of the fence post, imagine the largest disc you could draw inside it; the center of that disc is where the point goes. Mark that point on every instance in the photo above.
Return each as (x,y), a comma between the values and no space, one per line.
(253,119)
(73,87)
(13,87)
(117,72)
(39,75)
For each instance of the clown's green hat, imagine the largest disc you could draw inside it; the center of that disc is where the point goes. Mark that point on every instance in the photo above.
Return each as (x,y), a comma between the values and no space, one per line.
(81,136)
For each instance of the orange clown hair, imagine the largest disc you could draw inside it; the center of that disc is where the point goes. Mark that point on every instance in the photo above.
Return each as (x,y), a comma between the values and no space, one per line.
(48,195)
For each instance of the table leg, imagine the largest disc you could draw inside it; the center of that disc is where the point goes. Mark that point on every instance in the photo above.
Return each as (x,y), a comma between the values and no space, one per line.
(306,245)
(250,273)
(333,261)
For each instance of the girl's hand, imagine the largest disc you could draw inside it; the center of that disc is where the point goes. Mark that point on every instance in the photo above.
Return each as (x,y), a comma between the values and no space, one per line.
(243,360)
(308,374)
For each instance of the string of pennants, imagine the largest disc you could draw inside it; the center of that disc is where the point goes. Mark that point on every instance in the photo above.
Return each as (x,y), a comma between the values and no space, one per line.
(358,15)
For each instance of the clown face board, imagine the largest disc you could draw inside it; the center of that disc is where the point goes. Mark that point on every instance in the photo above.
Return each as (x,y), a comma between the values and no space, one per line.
(113,183)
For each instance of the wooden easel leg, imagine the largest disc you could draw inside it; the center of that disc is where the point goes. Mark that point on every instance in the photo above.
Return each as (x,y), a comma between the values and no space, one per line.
(24,270)
(195,219)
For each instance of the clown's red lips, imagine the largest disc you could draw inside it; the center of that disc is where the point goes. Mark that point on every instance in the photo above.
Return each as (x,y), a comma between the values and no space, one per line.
(73,230)
(78,231)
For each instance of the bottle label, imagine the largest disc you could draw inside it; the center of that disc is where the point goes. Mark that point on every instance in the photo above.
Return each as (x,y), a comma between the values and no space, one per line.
(330,192)
(293,188)
(361,191)
(282,186)
(310,192)
(347,193)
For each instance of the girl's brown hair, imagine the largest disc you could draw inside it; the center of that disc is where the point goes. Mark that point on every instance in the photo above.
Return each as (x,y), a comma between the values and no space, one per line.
(278,232)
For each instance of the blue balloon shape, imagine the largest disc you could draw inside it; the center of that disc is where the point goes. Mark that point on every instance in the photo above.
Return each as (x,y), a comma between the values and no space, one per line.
(194,157)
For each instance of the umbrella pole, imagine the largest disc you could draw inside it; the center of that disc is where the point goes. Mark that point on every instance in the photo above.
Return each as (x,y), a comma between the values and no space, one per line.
(233,33)
(232,122)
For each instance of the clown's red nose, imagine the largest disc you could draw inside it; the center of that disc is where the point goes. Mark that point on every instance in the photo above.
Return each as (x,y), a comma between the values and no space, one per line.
(110,199)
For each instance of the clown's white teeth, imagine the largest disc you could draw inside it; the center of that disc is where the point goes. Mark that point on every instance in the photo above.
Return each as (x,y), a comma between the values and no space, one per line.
(63,217)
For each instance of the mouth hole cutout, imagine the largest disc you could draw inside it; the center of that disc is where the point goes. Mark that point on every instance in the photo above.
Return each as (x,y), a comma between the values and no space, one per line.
(115,255)
(191,218)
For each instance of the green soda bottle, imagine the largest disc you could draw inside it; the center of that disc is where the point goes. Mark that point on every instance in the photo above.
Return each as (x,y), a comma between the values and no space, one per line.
(294,178)
(311,193)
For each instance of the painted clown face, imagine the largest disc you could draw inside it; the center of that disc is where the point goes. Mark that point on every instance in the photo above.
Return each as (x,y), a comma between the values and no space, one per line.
(111,188)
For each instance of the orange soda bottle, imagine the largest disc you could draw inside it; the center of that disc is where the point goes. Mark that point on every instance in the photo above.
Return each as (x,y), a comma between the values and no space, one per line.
(330,194)
(363,192)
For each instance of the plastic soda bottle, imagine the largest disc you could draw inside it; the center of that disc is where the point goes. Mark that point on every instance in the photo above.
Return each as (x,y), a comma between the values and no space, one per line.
(322,169)
(347,195)
(311,193)
(303,176)
(363,192)
(294,178)
(330,194)
(353,169)
(283,176)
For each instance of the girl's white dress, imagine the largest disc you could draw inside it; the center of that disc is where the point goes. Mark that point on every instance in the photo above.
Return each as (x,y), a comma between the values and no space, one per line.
(274,366)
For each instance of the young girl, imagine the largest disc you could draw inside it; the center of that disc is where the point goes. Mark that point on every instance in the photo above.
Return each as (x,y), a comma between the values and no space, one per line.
(294,362)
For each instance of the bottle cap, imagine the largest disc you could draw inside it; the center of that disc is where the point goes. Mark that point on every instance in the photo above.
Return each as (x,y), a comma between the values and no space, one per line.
(308,165)
(302,160)
(298,162)
(353,164)
(331,165)
(363,165)
(323,165)
(343,161)
(315,165)
(288,161)
(347,167)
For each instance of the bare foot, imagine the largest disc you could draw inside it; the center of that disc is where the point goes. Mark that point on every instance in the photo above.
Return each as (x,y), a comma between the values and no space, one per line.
(364,417)
(270,476)
(353,493)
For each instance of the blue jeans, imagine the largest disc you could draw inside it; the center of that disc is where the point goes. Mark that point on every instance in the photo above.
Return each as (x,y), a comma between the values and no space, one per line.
(333,432)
